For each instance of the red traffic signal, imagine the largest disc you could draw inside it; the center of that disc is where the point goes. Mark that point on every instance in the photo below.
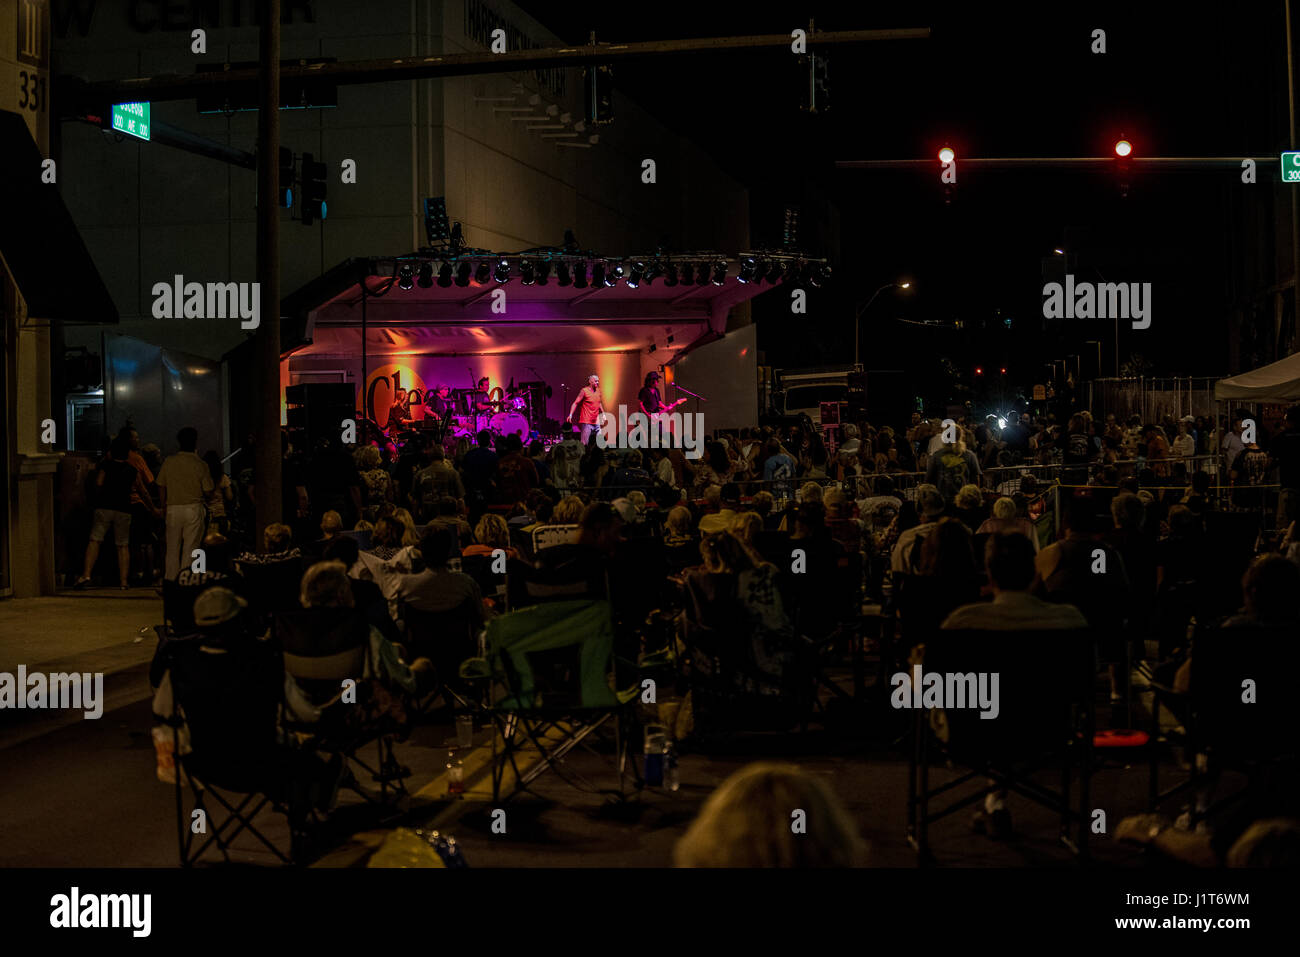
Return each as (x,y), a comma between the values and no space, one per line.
(979,370)
(1004,370)
(1123,148)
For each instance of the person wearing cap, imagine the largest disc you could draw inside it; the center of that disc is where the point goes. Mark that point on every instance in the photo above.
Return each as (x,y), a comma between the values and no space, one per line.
(906,556)
(649,398)
(230,684)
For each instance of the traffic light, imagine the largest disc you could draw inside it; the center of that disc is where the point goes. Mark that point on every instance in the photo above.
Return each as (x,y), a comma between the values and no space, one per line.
(979,370)
(598,94)
(284,195)
(313,190)
(1004,370)
(1123,154)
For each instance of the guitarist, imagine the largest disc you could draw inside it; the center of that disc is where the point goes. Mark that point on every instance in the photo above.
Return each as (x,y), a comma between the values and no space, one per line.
(652,403)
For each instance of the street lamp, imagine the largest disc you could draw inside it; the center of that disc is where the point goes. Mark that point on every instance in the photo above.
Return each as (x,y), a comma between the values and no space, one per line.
(857,325)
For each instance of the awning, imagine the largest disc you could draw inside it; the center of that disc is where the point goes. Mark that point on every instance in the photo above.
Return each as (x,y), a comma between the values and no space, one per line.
(40,243)
(1276,382)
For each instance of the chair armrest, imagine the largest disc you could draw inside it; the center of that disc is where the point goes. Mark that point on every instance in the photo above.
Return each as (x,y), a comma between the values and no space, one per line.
(658,659)
(475,668)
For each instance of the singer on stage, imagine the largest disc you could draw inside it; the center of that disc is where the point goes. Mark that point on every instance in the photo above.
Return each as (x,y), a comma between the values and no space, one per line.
(589,406)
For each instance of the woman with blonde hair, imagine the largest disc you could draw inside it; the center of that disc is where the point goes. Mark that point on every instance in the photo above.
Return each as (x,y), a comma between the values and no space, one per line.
(746,822)
(409,537)
(1005,521)
(491,533)
(568,511)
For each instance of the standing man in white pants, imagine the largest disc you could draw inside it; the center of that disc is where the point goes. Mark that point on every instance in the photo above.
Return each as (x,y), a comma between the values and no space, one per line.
(182,482)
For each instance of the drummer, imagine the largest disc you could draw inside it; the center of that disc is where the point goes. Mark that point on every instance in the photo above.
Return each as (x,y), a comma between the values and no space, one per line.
(483,404)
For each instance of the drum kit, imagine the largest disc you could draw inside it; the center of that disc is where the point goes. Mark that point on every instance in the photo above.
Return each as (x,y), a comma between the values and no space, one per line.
(499,412)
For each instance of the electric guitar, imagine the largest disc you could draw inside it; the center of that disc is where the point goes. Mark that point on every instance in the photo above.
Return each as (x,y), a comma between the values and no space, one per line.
(661,415)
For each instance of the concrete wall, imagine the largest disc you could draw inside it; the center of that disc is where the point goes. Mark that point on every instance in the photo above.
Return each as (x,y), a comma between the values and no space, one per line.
(148,211)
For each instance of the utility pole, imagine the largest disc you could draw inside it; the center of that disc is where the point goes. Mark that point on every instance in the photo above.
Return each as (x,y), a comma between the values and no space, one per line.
(266,387)
(1295,200)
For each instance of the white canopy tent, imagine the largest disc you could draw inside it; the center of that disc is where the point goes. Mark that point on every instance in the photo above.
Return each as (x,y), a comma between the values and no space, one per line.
(1276,382)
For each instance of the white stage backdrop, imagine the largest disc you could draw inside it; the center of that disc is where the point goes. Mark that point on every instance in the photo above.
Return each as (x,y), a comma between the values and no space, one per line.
(725,373)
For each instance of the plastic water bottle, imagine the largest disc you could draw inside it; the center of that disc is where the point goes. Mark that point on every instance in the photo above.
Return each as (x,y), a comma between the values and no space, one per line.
(672,780)
(455,774)
(654,755)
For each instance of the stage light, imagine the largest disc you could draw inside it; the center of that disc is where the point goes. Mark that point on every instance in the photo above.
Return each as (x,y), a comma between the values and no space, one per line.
(637,274)
(562,274)
(444,275)
(614,274)
(747,269)
(481,273)
(501,272)
(1123,148)
(462,273)
(719,272)
(543,271)
(580,275)
(818,274)
(598,277)
(527,275)
(702,274)
(670,274)
(775,272)
(405,276)
(946,155)
(426,275)
(687,274)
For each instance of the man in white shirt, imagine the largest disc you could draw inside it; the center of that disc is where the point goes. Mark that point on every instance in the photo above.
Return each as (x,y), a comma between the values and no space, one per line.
(1009,558)
(1232,445)
(182,481)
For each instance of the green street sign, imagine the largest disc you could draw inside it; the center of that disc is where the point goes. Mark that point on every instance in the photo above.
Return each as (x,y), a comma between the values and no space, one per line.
(132,119)
(1291,167)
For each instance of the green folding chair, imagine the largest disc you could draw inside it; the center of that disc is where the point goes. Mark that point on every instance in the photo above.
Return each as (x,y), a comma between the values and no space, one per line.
(549,676)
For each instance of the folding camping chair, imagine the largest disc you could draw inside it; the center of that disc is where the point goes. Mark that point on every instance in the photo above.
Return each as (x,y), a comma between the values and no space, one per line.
(1222,730)
(1044,720)
(322,648)
(213,757)
(549,670)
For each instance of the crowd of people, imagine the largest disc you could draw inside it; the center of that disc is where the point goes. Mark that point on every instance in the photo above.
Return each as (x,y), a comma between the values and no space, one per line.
(771,535)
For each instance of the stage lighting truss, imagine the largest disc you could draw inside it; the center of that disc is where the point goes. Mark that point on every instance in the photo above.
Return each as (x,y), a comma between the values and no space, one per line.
(583,270)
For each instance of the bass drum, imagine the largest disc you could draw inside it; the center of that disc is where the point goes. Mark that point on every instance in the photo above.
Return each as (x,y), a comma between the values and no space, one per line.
(510,423)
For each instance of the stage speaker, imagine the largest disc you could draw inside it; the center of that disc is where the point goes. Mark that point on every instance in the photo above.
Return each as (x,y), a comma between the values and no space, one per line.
(317,409)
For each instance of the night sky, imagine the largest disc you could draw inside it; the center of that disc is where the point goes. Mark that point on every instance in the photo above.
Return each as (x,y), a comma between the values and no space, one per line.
(989,83)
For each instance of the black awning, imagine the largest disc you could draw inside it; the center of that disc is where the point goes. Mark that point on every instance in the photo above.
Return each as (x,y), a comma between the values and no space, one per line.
(40,242)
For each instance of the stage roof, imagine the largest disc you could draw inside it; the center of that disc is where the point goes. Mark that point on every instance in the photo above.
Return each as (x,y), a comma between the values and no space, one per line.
(457,320)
